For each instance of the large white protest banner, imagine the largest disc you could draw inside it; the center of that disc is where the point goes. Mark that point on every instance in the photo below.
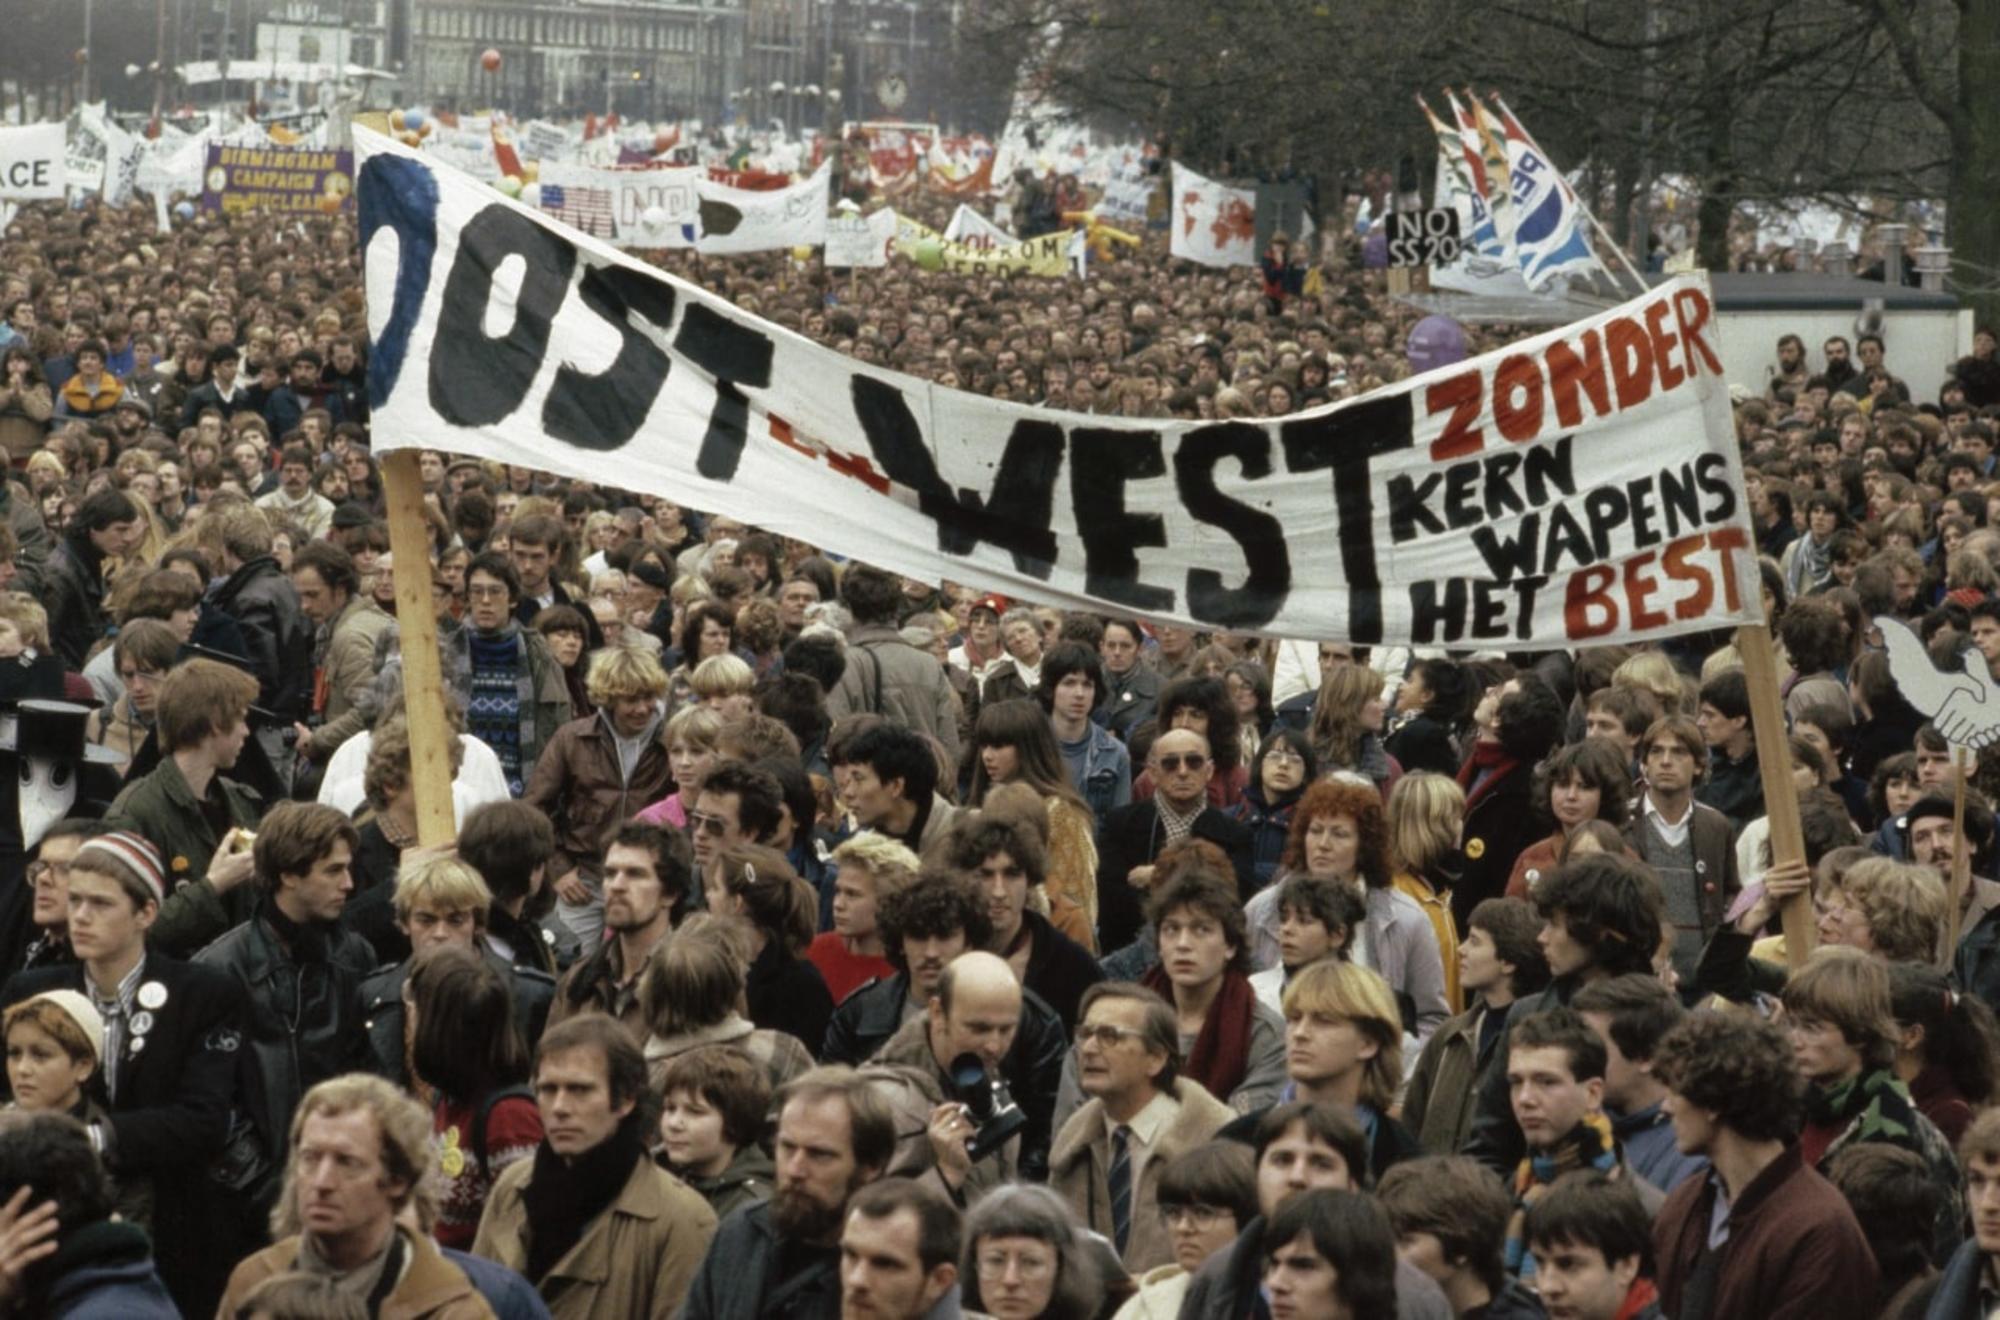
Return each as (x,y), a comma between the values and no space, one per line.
(31,163)
(1213,223)
(968,226)
(763,220)
(860,240)
(633,208)
(1577,487)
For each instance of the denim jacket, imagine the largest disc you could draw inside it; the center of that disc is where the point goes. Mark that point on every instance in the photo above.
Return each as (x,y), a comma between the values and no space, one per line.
(1105,779)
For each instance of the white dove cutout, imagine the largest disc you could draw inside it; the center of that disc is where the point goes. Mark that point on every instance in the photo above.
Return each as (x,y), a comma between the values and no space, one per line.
(1965,708)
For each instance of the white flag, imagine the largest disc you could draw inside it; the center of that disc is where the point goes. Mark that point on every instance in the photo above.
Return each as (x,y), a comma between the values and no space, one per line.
(1213,223)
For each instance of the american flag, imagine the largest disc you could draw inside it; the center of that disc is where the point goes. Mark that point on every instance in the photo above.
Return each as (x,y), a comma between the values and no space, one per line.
(589,209)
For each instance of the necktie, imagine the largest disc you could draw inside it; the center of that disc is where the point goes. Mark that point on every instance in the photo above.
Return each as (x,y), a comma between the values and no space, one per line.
(1120,1183)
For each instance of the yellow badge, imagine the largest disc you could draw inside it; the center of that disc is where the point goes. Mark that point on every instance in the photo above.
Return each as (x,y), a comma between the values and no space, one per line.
(1475,848)
(450,1158)
(180,863)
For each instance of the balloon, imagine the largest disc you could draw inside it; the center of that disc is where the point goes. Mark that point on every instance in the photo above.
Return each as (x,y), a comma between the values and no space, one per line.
(803,252)
(509,185)
(531,195)
(1435,341)
(928,253)
(489,60)
(410,139)
(653,217)
(1375,250)
(185,210)
(531,171)
(430,126)
(413,119)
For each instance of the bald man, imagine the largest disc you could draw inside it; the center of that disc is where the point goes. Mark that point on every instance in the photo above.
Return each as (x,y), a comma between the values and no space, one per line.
(977,1009)
(1134,836)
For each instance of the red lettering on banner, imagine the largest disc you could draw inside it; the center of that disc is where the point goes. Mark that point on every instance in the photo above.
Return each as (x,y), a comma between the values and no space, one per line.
(1568,373)
(1639,588)
(1461,394)
(1589,589)
(1691,311)
(858,467)
(1631,361)
(1663,345)
(781,431)
(1727,541)
(1518,379)
(1674,563)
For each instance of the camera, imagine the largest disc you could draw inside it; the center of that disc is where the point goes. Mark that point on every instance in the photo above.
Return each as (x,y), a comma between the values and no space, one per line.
(989,1107)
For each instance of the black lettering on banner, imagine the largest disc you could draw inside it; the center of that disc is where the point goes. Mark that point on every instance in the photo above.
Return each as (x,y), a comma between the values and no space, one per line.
(605,411)
(477,380)
(1711,473)
(1410,509)
(735,354)
(1020,514)
(1682,501)
(1605,509)
(1262,536)
(1101,461)
(1347,441)
(1507,559)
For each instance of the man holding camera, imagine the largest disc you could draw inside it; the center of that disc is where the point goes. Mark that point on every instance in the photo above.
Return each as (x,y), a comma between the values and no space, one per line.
(976,1010)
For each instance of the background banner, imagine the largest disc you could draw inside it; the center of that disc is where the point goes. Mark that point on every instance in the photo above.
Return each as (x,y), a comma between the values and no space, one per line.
(1578,487)
(277,179)
(31,163)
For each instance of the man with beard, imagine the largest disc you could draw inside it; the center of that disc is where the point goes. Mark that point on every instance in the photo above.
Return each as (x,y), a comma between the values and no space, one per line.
(782,1256)
(646,871)
(1839,365)
(597,1227)
(1791,370)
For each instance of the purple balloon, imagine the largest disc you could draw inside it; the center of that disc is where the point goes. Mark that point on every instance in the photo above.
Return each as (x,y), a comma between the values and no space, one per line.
(1435,341)
(1375,250)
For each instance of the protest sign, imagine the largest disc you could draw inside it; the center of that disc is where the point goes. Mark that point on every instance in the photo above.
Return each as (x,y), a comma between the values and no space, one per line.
(1047,255)
(541,140)
(638,208)
(1213,223)
(31,163)
(1128,194)
(85,149)
(1581,487)
(752,220)
(860,240)
(968,226)
(123,155)
(239,179)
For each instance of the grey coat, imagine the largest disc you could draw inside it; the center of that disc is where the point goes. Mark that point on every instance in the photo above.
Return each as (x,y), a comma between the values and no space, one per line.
(887,676)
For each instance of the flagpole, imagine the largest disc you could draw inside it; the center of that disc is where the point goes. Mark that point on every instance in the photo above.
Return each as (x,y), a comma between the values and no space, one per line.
(1595,225)
(423,672)
(1774,767)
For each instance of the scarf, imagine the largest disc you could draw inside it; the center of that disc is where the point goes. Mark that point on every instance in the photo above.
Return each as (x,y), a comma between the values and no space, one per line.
(1220,1059)
(1488,764)
(309,941)
(1176,825)
(564,1196)
(1642,1294)
(1590,1145)
(1870,1106)
(1812,564)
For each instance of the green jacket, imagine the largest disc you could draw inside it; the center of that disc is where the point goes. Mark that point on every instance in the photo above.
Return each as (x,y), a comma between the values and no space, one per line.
(161,806)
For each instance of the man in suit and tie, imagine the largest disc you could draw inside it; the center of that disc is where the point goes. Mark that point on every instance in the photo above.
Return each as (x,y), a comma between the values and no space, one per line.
(172,1032)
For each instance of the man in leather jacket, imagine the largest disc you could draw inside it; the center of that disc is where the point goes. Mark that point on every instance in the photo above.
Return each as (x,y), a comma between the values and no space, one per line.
(301,973)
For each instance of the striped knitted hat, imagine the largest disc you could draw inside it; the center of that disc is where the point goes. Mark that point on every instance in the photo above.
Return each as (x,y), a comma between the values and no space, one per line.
(135,853)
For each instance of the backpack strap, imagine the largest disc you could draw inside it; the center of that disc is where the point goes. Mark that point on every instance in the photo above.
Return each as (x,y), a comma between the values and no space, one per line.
(485,1111)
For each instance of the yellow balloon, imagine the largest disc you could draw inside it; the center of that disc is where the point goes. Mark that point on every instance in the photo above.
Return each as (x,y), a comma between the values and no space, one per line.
(531,171)
(803,252)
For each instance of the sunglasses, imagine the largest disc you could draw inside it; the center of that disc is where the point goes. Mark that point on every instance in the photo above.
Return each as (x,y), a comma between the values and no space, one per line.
(1174,761)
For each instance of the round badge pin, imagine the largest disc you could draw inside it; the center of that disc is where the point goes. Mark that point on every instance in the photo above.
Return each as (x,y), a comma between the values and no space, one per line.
(142,1022)
(138,1043)
(152,995)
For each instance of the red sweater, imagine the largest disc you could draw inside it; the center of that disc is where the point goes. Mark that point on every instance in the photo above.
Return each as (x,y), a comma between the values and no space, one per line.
(513,1131)
(844,972)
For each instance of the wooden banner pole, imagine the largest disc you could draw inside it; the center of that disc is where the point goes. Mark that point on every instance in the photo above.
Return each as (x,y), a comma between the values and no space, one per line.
(1774,766)
(1961,861)
(416,624)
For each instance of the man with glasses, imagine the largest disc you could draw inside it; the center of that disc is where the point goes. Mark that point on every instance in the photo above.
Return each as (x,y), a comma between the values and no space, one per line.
(1133,836)
(36,922)
(1140,1116)
(737,804)
(142,655)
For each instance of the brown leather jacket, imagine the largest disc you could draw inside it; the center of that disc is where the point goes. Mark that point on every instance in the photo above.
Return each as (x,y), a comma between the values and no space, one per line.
(579,783)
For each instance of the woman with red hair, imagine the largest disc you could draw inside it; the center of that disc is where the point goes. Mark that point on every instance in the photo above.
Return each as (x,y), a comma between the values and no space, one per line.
(1340,832)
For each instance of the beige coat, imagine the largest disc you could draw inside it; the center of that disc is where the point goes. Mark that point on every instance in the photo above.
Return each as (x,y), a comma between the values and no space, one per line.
(432,1288)
(636,1258)
(1080,1161)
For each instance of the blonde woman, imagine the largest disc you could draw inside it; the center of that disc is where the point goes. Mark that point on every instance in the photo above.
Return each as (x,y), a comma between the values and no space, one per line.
(692,736)
(1426,816)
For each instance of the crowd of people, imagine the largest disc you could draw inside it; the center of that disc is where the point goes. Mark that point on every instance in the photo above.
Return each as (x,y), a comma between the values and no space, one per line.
(821,941)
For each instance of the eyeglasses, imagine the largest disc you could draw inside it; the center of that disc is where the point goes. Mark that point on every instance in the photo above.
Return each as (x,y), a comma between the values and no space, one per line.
(1105,1034)
(1030,1267)
(40,871)
(1197,1217)
(1284,755)
(1172,761)
(486,591)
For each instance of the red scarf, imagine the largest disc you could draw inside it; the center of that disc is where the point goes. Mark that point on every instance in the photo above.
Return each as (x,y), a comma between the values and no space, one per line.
(1220,1058)
(1485,756)
(1641,1295)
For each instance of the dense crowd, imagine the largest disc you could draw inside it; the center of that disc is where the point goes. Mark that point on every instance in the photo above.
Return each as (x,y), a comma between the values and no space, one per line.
(820,941)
